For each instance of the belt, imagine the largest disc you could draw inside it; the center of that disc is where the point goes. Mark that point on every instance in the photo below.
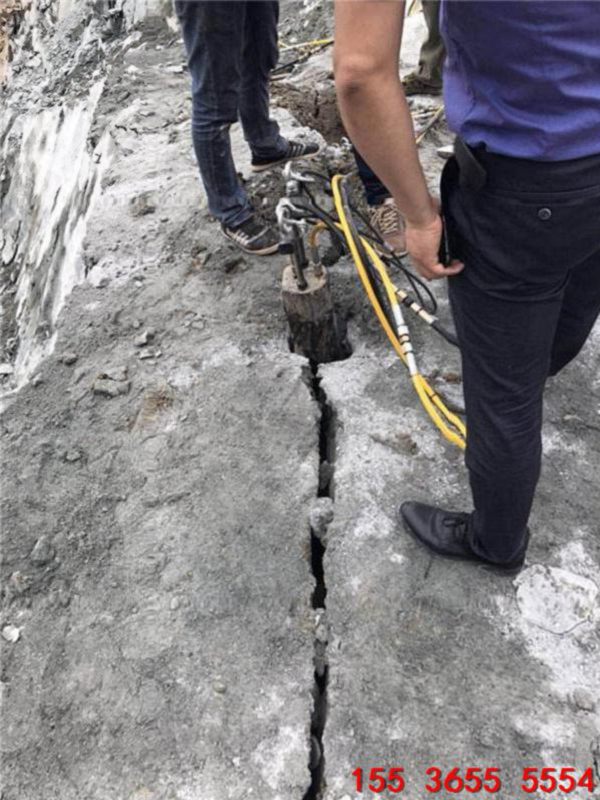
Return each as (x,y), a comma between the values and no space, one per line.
(479,168)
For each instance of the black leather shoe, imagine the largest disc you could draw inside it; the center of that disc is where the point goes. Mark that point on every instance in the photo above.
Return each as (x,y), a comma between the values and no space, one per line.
(447,533)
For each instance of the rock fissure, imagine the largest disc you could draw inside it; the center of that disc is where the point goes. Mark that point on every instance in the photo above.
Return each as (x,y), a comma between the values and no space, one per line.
(318,548)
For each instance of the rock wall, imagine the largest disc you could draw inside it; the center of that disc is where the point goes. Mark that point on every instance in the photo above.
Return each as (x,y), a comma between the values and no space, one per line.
(55,151)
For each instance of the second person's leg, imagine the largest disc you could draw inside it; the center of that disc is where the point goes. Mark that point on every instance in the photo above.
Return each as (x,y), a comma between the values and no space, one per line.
(268,146)
(427,79)
(260,55)
(213,33)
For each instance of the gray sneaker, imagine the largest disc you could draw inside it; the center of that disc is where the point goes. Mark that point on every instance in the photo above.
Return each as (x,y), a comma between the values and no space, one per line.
(254,236)
(294,150)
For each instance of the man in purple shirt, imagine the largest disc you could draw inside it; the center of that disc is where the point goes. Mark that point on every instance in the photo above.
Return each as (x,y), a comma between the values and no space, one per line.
(521,202)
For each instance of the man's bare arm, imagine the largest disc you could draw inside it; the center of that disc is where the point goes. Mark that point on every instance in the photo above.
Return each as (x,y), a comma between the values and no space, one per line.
(375,112)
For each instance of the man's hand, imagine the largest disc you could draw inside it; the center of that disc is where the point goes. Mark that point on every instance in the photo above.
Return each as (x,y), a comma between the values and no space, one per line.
(423,244)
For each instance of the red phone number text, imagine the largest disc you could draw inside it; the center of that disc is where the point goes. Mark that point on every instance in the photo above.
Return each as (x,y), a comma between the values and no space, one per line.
(475,779)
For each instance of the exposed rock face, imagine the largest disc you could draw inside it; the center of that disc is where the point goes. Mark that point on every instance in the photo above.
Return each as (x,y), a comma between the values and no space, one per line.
(55,148)
(182,497)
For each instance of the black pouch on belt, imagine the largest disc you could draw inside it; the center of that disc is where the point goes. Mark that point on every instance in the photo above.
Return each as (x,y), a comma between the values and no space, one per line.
(472,174)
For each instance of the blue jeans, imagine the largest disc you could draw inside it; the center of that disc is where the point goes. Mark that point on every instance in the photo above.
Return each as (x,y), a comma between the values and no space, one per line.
(375,191)
(231,48)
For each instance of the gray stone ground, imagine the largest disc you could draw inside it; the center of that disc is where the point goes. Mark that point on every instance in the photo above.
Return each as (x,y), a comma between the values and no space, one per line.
(163,454)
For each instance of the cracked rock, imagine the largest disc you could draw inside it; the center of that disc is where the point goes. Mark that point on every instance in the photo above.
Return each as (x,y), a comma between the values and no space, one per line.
(43,552)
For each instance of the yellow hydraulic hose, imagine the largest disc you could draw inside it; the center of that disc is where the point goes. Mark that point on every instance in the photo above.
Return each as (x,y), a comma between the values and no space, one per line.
(451,426)
(309,45)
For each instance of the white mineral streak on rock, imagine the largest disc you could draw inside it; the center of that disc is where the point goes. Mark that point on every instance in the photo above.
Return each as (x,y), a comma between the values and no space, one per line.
(555,599)
(56,181)
(555,612)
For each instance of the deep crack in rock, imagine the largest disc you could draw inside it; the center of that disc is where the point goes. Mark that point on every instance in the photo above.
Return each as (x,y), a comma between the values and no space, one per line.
(318,549)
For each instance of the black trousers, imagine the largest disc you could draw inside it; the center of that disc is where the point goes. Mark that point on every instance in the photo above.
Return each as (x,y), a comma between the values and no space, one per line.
(523,307)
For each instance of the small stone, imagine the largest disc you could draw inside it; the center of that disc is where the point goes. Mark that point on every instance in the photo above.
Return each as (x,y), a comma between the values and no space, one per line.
(103,283)
(321,633)
(320,516)
(150,353)
(141,340)
(315,753)
(18,584)
(10,633)
(175,603)
(37,380)
(69,358)
(110,388)
(219,687)
(232,263)
(42,552)
(72,455)
(583,700)
(142,204)
(144,337)
(6,369)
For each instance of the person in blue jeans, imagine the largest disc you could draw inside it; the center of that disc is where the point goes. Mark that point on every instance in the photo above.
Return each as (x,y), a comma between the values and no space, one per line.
(232,48)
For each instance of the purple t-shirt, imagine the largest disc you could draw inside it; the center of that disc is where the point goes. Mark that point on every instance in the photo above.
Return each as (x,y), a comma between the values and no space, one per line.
(523,77)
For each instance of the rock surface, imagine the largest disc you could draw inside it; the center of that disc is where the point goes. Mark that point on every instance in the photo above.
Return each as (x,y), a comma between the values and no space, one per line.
(172,627)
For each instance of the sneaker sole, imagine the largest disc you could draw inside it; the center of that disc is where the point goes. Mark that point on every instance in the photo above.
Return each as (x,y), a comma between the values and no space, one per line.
(279,162)
(487,565)
(264,251)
